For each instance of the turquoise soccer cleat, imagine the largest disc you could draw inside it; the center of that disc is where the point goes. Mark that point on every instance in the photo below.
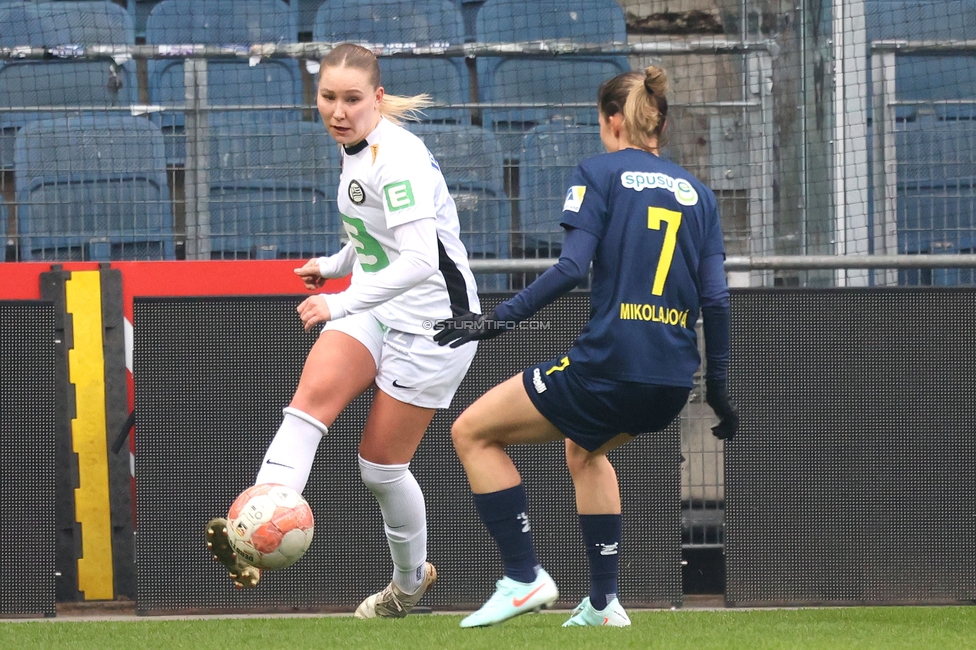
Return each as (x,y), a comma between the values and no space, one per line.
(585,614)
(512,598)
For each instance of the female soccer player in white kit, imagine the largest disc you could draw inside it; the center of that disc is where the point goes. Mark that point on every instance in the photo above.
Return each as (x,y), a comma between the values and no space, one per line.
(409,269)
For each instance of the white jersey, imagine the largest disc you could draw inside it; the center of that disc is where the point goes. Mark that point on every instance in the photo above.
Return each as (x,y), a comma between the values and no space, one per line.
(388,180)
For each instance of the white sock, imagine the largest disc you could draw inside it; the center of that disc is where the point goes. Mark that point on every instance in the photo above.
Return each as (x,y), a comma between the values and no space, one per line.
(288,460)
(404,519)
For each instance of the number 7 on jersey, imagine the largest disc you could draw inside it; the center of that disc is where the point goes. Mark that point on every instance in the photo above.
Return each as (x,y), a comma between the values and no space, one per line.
(655,218)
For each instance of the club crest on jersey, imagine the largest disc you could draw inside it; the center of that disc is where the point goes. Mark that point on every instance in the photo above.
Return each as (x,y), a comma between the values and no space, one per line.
(356,193)
(574,198)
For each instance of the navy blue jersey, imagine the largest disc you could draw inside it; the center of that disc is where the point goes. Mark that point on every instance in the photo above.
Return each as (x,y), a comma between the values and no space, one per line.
(655,222)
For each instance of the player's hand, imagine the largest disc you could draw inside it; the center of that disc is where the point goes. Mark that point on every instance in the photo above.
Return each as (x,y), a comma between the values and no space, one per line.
(717,396)
(469,327)
(310,275)
(314,311)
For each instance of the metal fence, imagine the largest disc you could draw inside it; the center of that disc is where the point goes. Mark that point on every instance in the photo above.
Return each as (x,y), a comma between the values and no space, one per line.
(822,130)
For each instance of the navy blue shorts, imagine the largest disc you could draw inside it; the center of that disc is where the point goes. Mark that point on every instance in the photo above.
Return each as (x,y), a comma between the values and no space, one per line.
(591,410)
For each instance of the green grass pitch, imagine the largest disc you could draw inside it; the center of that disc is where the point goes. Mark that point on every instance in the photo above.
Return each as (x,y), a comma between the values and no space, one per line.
(834,628)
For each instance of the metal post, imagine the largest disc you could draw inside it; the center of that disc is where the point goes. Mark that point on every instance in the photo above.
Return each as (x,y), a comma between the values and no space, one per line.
(850,183)
(760,86)
(197,178)
(885,181)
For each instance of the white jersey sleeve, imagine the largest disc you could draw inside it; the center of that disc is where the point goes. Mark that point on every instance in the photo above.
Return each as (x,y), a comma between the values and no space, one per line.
(338,265)
(417,242)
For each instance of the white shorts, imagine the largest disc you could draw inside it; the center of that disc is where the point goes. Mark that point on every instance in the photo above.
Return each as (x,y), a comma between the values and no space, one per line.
(410,368)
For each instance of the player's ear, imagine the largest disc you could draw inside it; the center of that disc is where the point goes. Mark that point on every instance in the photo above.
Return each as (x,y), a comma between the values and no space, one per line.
(616,122)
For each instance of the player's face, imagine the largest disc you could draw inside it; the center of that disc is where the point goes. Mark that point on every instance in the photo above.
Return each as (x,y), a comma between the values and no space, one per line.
(348,103)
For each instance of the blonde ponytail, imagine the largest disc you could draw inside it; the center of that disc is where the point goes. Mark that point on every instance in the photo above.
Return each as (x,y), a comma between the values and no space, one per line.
(398,108)
(646,107)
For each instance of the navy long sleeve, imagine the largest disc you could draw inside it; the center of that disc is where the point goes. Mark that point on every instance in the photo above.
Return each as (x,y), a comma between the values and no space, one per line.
(715,316)
(571,269)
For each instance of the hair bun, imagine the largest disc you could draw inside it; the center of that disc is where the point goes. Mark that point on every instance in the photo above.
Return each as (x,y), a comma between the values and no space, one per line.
(655,80)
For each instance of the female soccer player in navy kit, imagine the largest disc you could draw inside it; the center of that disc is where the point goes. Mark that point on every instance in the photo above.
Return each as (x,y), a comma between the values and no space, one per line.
(408,266)
(653,235)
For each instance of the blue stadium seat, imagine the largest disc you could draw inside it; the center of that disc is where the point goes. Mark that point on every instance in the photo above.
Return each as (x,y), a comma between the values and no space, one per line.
(550,154)
(229,83)
(273,191)
(92,188)
(128,5)
(306,10)
(63,82)
(545,81)
(142,10)
(405,21)
(937,194)
(471,160)
(926,77)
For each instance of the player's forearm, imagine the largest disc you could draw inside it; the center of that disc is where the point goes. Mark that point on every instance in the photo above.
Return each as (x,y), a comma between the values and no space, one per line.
(572,268)
(340,264)
(715,316)
(417,242)
(716,328)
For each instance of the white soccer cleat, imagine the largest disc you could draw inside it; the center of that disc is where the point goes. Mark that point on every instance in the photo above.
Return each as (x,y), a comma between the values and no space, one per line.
(513,598)
(613,615)
(392,602)
(243,574)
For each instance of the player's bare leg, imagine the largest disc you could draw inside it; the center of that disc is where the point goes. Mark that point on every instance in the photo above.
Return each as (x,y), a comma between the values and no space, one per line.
(338,369)
(391,436)
(503,416)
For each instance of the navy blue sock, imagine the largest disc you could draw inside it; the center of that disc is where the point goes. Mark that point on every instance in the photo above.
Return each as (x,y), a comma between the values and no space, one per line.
(601,534)
(505,514)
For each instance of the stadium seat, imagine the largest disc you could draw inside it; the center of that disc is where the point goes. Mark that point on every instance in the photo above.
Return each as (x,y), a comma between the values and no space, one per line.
(423,22)
(928,77)
(937,193)
(471,160)
(549,155)
(306,10)
(128,5)
(273,191)
(239,23)
(62,83)
(92,187)
(547,82)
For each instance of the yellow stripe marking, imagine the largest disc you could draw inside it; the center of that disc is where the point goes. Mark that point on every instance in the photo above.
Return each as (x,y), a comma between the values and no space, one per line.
(86,368)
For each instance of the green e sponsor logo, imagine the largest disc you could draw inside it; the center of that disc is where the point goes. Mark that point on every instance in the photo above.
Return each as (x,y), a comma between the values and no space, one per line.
(399,195)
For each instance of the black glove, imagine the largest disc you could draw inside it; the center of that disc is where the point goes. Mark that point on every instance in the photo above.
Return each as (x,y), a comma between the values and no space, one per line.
(717,396)
(469,327)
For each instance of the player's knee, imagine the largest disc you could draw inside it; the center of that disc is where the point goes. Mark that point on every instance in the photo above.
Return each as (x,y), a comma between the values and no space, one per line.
(579,460)
(462,433)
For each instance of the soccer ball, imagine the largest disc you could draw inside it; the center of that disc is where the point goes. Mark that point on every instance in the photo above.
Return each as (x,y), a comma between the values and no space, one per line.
(270,526)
